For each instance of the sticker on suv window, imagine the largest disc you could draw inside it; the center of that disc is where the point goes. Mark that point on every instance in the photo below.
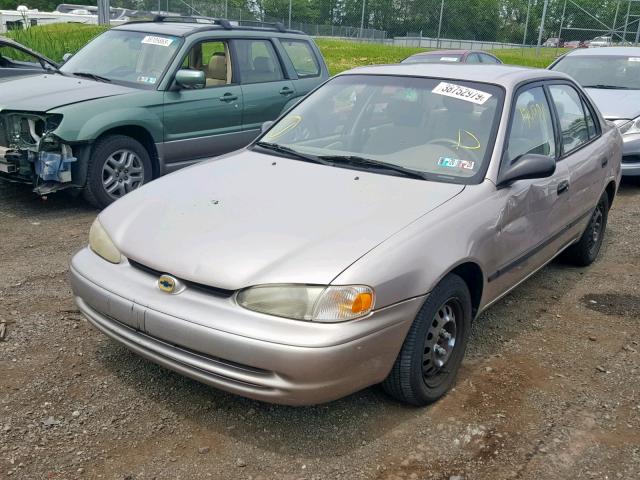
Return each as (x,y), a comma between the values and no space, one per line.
(461,93)
(155,40)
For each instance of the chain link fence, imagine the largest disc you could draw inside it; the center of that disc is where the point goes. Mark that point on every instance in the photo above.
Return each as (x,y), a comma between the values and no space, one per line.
(484,24)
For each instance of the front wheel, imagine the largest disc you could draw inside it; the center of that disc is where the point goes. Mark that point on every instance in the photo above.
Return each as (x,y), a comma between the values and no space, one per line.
(118,165)
(585,251)
(432,352)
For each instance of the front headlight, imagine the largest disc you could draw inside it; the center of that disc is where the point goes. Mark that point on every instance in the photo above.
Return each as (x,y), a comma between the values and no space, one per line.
(628,127)
(102,245)
(318,303)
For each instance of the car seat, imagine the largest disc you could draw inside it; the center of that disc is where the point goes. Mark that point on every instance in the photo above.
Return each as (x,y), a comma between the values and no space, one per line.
(217,70)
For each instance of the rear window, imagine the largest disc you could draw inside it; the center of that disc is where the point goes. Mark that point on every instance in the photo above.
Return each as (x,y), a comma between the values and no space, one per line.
(302,57)
(444,57)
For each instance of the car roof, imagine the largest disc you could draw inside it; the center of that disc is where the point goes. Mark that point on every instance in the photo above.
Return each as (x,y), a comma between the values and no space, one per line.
(607,51)
(504,75)
(450,52)
(177,27)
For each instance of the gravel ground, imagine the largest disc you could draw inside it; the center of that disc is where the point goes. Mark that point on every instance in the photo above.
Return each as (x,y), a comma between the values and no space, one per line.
(549,389)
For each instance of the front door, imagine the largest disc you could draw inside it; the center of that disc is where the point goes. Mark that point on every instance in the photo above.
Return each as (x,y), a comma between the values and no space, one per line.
(265,89)
(204,122)
(532,214)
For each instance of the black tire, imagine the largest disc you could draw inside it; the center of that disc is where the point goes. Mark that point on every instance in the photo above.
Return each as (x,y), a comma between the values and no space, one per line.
(415,378)
(108,149)
(585,251)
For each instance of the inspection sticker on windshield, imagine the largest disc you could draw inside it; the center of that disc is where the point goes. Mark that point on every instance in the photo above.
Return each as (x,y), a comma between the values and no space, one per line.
(154,40)
(461,93)
(456,163)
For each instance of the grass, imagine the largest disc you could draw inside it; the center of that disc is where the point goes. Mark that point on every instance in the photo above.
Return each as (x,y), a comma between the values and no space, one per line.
(56,40)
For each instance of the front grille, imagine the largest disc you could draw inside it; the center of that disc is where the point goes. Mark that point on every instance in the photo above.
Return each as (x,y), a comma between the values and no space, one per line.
(631,159)
(218,292)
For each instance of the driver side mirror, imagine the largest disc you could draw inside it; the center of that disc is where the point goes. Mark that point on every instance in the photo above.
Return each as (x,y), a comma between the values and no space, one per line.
(529,165)
(191,78)
(266,126)
(66,57)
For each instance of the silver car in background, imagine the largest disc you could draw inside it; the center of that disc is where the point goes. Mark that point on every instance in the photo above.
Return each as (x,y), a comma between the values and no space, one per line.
(356,239)
(611,77)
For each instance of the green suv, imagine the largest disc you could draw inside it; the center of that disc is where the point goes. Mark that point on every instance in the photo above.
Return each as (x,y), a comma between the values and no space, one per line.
(146,98)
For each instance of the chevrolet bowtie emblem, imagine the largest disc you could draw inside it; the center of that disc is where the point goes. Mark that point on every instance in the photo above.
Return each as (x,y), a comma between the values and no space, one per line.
(167,283)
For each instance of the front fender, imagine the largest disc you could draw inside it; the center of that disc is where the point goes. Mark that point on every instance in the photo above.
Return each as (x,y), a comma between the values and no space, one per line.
(76,128)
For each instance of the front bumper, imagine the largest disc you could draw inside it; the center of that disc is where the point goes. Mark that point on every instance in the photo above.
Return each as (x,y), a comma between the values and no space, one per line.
(213,340)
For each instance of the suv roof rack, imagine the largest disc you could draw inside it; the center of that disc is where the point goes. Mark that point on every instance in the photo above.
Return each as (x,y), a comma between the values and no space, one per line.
(223,22)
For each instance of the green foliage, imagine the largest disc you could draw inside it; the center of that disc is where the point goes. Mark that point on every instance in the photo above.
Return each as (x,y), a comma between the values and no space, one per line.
(56,40)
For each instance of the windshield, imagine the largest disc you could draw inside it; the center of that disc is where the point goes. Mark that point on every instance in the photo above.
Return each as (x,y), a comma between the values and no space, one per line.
(120,56)
(602,71)
(441,57)
(444,130)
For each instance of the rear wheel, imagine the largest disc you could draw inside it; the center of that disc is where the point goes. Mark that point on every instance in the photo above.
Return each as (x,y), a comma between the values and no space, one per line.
(586,250)
(428,362)
(118,165)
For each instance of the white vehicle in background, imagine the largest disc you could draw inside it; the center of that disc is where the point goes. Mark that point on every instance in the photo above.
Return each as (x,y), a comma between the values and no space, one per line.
(601,42)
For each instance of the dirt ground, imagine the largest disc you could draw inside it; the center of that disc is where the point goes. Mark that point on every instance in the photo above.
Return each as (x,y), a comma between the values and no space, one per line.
(550,388)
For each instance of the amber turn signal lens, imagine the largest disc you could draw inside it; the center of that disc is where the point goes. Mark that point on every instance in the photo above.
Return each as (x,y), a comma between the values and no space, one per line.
(362,303)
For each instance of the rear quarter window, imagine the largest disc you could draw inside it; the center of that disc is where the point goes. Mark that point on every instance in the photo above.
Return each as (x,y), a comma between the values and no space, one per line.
(302,57)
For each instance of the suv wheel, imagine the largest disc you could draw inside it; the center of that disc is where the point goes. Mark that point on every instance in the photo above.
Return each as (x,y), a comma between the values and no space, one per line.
(586,250)
(118,165)
(431,355)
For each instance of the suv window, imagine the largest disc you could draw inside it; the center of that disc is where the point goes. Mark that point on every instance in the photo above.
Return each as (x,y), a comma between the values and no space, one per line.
(213,59)
(302,57)
(257,61)
(573,123)
(531,126)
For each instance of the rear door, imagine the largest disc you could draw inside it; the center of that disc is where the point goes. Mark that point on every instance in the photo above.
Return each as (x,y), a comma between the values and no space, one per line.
(265,89)
(205,122)
(301,59)
(585,158)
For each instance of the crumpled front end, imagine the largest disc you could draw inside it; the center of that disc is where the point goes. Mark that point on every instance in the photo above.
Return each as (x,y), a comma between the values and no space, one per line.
(31,153)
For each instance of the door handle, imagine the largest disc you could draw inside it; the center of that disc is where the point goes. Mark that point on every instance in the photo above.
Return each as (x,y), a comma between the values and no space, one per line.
(286,91)
(228,97)
(604,161)
(563,186)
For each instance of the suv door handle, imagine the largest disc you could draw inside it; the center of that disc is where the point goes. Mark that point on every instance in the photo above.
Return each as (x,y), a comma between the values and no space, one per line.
(286,91)
(228,97)
(604,161)
(563,186)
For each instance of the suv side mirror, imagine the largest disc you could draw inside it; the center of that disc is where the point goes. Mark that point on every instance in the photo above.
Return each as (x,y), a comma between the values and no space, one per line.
(191,78)
(266,126)
(66,57)
(529,165)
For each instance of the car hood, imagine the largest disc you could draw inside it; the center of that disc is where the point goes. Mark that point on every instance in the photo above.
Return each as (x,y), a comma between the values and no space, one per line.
(616,104)
(40,93)
(251,218)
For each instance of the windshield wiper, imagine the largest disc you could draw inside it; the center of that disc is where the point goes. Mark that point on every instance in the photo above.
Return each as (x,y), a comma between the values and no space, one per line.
(367,162)
(607,87)
(290,151)
(92,76)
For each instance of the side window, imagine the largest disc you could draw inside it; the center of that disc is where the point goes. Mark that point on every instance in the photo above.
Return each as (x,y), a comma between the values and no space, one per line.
(591,121)
(488,59)
(573,123)
(302,57)
(531,126)
(257,61)
(213,59)
(473,58)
